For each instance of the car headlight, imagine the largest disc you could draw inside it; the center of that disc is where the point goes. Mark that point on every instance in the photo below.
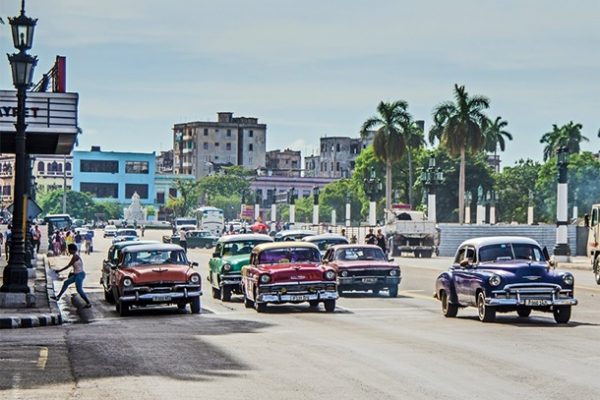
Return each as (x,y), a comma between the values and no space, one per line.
(394,272)
(127,282)
(344,273)
(226,267)
(265,278)
(568,279)
(495,280)
(330,275)
(195,278)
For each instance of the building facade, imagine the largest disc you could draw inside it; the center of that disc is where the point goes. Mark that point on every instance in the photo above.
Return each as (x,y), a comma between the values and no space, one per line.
(337,157)
(203,147)
(164,162)
(283,162)
(115,176)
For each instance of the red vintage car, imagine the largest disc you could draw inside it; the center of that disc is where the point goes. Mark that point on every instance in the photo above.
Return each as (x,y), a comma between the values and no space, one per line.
(363,267)
(288,272)
(155,274)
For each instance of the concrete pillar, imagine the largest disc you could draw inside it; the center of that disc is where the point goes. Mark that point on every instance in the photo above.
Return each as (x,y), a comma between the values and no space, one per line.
(292,213)
(372,213)
(348,214)
(530,215)
(256,211)
(431,207)
(492,214)
(468,214)
(561,250)
(333,218)
(273,216)
(316,214)
(480,216)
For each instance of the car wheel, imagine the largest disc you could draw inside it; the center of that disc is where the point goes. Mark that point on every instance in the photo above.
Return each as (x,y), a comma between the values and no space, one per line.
(562,314)
(313,303)
(195,305)
(181,306)
(426,254)
(417,254)
(247,302)
(329,305)
(448,309)
(225,294)
(123,309)
(523,312)
(259,307)
(108,296)
(375,291)
(486,314)
(340,292)
(597,270)
(394,291)
(216,293)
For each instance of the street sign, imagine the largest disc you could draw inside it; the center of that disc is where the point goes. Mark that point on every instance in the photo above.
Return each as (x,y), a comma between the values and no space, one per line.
(33,210)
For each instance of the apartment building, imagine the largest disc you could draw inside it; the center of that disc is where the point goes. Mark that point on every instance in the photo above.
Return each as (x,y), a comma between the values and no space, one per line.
(336,158)
(283,162)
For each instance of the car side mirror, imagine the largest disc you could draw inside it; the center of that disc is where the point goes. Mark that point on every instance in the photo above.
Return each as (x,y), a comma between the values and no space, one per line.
(195,264)
(325,261)
(390,259)
(466,263)
(215,255)
(586,220)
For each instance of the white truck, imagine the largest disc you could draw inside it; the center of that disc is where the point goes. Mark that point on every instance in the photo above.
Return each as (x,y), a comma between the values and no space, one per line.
(409,231)
(592,222)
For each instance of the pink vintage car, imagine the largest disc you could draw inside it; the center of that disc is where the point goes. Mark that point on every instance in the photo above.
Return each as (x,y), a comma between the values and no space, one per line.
(363,267)
(288,272)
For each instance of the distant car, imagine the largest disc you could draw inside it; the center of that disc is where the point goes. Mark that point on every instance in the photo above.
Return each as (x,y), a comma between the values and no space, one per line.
(231,254)
(125,234)
(505,274)
(325,241)
(194,238)
(111,262)
(288,272)
(293,234)
(110,231)
(363,267)
(155,274)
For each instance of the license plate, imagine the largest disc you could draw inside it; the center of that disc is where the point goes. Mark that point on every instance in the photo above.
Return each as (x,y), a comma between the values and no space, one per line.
(535,302)
(369,280)
(161,298)
(297,298)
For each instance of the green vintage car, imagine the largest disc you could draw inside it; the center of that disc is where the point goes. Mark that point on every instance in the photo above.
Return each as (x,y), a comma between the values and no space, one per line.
(194,238)
(231,254)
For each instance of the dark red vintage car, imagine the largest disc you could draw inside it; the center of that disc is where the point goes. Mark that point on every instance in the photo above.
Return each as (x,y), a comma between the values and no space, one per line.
(288,272)
(363,267)
(155,274)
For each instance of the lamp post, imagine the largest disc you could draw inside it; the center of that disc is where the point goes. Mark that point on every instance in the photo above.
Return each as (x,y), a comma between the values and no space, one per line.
(274,209)
(22,64)
(372,190)
(257,201)
(316,192)
(562,252)
(348,209)
(431,178)
(468,199)
(575,207)
(530,207)
(292,203)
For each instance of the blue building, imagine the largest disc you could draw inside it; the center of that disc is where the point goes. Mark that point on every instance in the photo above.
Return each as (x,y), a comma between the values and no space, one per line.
(115,176)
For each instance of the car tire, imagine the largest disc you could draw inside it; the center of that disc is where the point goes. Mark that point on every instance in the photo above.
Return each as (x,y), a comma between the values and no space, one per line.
(225,294)
(247,302)
(393,291)
(524,312)
(562,314)
(195,305)
(216,293)
(329,305)
(597,270)
(109,297)
(485,313)
(259,307)
(426,253)
(417,254)
(123,309)
(449,310)
(340,292)
(375,291)
(313,303)
(181,306)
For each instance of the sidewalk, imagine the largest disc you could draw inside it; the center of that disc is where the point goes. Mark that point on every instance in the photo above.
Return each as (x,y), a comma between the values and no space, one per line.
(577,262)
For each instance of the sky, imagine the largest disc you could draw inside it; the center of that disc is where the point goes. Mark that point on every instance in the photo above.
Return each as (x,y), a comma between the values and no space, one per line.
(315,68)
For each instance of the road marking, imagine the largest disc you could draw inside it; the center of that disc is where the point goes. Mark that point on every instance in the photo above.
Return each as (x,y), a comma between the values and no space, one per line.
(408,293)
(43,358)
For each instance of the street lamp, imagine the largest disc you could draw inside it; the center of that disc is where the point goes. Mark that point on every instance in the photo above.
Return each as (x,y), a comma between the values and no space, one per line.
(562,251)
(274,209)
(22,64)
(431,178)
(373,188)
(316,191)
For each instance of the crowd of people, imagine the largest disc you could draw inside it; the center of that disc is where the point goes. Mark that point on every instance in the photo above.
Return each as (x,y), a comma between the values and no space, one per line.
(61,239)
(34,237)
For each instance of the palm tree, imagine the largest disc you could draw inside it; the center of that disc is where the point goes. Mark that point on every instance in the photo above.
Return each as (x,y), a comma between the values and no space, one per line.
(495,137)
(413,139)
(459,126)
(567,135)
(388,143)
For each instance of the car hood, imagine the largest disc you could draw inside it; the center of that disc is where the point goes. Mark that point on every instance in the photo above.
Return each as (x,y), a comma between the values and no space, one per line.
(237,261)
(158,273)
(522,271)
(287,272)
(363,264)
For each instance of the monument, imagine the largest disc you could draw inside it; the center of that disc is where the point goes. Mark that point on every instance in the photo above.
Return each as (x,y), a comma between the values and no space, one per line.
(135,213)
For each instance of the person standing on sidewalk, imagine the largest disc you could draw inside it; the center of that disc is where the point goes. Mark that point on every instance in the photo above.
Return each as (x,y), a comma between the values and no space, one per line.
(36,237)
(76,277)
(183,239)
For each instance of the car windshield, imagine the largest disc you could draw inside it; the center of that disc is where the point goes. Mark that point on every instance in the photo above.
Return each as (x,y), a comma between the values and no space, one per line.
(360,254)
(127,232)
(241,247)
(289,254)
(198,234)
(154,257)
(324,244)
(510,251)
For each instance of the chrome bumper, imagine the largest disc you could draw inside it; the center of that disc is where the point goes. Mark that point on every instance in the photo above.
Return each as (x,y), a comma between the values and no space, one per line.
(540,295)
(369,280)
(285,298)
(160,297)
(230,280)
(524,302)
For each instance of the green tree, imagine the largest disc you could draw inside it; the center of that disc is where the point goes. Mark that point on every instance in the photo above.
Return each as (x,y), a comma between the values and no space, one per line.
(229,204)
(459,127)
(110,210)
(414,140)
(189,193)
(333,197)
(567,135)
(79,205)
(363,164)
(389,143)
(513,185)
(496,135)
(229,184)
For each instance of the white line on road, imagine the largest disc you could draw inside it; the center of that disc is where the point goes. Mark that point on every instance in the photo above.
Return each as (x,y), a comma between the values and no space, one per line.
(43,358)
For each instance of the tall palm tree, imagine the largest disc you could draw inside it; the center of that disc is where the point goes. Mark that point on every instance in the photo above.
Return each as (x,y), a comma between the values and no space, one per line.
(459,126)
(567,135)
(413,139)
(495,137)
(388,143)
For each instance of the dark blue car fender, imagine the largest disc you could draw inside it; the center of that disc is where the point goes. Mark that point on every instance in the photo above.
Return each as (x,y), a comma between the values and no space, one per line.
(445,281)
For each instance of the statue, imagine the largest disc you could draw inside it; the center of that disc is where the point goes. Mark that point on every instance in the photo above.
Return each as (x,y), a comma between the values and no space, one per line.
(134,212)
(479,195)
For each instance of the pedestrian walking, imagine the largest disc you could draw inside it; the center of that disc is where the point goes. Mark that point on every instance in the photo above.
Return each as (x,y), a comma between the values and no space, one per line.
(143,229)
(89,246)
(370,238)
(381,242)
(37,238)
(183,240)
(77,276)
(7,238)
(56,243)
(78,240)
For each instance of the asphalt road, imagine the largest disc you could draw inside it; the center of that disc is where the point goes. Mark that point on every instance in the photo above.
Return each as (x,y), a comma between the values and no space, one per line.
(371,347)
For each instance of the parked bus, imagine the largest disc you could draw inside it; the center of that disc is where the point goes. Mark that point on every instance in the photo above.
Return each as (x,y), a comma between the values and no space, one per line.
(185,223)
(212,219)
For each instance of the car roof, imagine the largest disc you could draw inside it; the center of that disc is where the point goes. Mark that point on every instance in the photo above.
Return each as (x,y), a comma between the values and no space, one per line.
(354,246)
(245,236)
(150,247)
(283,245)
(125,229)
(295,232)
(491,240)
(324,236)
(134,243)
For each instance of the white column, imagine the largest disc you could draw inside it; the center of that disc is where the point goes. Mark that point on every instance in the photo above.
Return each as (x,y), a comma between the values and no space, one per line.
(562,216)
(256,211)
(575,212)
(316,214)
(333,217)
(480,215)
(292,213)
(431,207)
(467,214)
(347,214)
(372,213)
(530,215)
(492,214)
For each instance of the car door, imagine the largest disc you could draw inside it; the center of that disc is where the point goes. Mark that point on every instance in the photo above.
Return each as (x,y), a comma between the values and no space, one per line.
(464,275)
(214,265)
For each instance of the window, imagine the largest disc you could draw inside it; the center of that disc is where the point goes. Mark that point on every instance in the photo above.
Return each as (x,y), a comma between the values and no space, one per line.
(337,147)
(6,190)
(41,167)
(337,166)
(136,167)
(140,189)
(228,146)
(101,190)
(205,132)
(251,133)
(217,144)
(250,147)
(173,192)
(160,198)
(228,132)
(68,166)
(205,146)
(107,166)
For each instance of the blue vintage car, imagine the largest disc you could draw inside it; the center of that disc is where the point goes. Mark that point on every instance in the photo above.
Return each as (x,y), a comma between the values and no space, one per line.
(504,274)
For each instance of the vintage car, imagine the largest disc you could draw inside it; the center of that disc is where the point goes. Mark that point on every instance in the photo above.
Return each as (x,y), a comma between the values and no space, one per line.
(288,272)
(292,234)
(225,266)
(110,263)
(363,267)
(325,241)
(125,235)
(155,274)
(504,274)
(110,231)
(194,238)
